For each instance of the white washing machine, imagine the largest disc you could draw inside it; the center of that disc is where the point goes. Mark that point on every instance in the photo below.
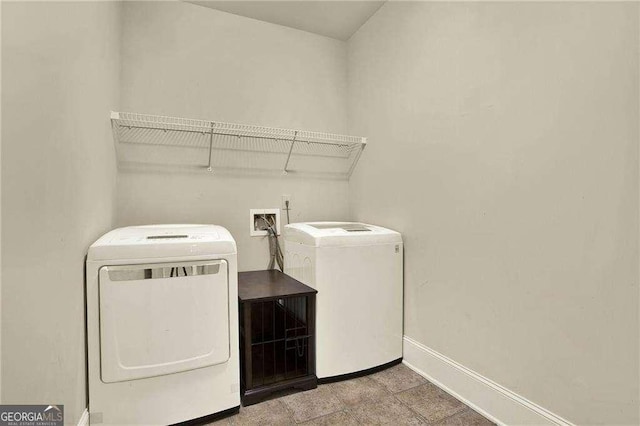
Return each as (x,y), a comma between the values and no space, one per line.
(162,325)
(357,270)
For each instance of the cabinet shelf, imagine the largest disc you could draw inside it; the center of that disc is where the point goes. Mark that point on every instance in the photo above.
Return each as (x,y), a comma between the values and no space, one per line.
(152,141)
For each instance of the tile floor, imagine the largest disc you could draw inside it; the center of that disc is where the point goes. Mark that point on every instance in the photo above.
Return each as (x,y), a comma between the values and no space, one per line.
(395,396)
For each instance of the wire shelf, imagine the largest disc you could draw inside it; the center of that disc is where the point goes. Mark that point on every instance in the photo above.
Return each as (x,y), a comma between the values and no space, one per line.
(152,140)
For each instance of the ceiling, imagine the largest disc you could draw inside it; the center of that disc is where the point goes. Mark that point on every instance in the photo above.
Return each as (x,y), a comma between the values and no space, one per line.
(335,19)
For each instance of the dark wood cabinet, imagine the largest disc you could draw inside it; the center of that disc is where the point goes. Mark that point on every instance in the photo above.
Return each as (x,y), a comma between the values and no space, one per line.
(277,334)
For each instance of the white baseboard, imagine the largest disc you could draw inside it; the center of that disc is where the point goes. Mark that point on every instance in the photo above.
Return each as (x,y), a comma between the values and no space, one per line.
(84,418)
(483,395)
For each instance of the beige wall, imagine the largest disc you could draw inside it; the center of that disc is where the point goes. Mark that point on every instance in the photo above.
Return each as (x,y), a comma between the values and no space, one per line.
(183,60)
(59,80)
(504,146)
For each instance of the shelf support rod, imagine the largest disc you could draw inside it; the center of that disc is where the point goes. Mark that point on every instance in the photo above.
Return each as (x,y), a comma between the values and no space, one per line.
(355,160)
(295,135)
(209,169)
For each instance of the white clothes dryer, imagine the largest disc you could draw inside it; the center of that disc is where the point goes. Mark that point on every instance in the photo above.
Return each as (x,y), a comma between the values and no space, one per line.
(162,325)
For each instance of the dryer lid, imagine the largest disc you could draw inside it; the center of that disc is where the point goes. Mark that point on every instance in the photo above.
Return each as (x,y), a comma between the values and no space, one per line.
(339,234)
(158,241)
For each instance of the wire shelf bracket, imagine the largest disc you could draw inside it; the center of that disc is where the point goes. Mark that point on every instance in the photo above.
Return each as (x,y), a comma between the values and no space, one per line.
(293,142)
(152,140)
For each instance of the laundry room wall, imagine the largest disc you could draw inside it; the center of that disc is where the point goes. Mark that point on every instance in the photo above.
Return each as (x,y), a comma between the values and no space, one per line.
(504,147)
(60,63)
(184,60)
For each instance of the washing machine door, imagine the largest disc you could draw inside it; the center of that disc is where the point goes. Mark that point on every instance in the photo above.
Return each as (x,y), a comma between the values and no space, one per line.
(165,318)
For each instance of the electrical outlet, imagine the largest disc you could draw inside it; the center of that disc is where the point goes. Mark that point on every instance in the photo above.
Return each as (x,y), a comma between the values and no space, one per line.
(257,226)
(285,198)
